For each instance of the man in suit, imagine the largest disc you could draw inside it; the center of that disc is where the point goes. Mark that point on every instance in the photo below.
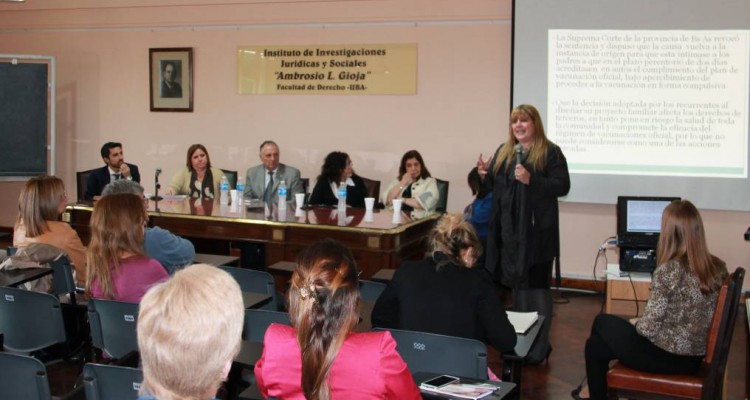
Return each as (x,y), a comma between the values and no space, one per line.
(262,181)
(170,88)
(115,168)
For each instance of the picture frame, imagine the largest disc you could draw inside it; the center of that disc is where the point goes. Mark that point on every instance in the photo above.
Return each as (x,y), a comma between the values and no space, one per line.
(171,79)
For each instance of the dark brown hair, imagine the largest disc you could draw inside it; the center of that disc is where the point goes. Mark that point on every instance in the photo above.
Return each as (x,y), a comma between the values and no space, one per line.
(424,172)
(192,150)
(324,309)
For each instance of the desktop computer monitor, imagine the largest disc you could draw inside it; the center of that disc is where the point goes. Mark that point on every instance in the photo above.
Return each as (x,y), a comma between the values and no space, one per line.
(638,228)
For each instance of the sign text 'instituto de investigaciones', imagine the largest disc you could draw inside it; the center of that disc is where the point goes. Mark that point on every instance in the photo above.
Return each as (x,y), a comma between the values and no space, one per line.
(352,69)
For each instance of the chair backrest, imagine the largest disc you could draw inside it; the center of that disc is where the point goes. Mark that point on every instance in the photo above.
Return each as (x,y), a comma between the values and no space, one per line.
(370,290)
(371,187)
(305,184)
(441,354)
(257,321)
(23,377)
(231,177)
(442,204)
(82,178)
(29,320)
(720,334)
(105,382)
(62,278)
(113,326)
(251,280)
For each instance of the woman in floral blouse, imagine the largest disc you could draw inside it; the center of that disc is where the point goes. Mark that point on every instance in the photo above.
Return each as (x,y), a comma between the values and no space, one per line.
(671,336)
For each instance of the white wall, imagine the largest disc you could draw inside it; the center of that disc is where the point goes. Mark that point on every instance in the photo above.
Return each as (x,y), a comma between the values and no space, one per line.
(460,110)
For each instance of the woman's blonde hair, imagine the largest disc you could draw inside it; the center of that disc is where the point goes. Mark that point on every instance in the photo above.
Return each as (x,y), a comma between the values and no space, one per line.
(452,235)
(39,202)
(324,309)
(189,329)
(117,227)
(683,239)
(538,151)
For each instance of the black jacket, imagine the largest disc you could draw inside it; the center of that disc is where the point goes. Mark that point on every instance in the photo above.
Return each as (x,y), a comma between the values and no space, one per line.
(323,195)
(454,300)
(99,178)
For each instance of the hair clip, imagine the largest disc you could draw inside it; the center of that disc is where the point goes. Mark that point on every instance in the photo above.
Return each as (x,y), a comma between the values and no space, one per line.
(308,292)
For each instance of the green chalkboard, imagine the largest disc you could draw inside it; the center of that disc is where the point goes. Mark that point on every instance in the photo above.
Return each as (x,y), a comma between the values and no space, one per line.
(23,119)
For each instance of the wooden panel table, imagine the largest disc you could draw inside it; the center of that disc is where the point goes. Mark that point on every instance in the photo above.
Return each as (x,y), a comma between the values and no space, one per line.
(374,239)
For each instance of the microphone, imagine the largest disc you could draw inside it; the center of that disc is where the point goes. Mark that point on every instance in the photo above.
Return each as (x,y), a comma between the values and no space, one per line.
(157,186)
(519,152)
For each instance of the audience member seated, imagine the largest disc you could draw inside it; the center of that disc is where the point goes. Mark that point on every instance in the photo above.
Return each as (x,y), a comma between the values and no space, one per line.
(670,337)
(189,331)
(118,268)
(337,168)
(262,181)
(335,362)
(43,199)
(115,169)
(479,211)
(443,294)
(414,185)
(198,179)
(172,251)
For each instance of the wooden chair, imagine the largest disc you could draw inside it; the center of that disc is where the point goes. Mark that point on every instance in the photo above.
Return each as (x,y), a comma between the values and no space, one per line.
(371,187)
(82,178)
(708,383)
(442,204)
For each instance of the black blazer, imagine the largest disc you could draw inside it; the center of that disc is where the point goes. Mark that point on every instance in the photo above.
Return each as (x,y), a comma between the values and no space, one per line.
(454,300)
(323,195)
(99,178)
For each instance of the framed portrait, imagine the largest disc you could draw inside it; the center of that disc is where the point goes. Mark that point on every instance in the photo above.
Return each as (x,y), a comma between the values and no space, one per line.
(171,79)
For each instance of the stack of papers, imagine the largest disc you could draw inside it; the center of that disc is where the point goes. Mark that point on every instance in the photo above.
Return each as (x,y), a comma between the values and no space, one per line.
(522,321)
(463,390)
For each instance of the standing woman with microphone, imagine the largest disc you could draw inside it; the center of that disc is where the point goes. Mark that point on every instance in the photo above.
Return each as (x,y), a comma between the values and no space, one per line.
(526,176)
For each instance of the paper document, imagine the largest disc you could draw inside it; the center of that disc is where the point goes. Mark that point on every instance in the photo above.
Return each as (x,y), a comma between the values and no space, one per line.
(174,197)
(463,390)
(522,321)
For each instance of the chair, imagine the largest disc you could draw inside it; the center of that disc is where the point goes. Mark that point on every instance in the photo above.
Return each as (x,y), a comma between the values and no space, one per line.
(257,321)
(708,382)
(111,382)
(23,377)
(441,354)
(62,279)
(442,204)
(30,321)
(305,184)
(113,327)
(371,187)
(82,178)
(231,177)
(251,280)
(370,290)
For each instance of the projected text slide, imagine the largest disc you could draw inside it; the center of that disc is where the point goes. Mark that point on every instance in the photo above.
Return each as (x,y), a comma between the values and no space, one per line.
(669,103)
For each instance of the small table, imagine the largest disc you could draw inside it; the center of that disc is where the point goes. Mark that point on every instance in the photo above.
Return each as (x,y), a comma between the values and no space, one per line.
(512,362)
(504,390)
(16,277)
(255,300)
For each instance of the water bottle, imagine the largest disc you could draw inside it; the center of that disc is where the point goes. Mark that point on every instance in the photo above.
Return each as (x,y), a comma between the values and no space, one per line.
(342,196)
(240,185)
(282,195)
(224,188)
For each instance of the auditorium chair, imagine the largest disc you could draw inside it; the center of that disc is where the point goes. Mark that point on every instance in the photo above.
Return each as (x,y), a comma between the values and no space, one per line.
(257,321)
(113,330)
(708,383)
(105,382)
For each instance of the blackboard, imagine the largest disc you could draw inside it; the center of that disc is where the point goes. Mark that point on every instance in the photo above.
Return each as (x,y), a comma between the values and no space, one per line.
(23,119)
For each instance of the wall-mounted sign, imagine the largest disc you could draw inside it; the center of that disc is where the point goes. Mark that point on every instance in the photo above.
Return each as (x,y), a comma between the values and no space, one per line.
(328,69)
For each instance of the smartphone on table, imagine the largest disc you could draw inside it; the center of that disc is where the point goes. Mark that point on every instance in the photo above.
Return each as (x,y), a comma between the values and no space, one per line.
(439,381)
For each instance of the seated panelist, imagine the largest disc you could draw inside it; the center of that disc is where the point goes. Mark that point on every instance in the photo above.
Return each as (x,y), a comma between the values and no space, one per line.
(198,179)
(414,185)
(337,168)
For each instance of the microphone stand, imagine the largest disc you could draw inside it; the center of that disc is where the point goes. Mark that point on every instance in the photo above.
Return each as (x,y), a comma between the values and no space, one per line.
(157,186)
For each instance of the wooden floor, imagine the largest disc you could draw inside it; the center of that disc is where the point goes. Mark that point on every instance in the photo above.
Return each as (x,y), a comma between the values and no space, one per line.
(553,380)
